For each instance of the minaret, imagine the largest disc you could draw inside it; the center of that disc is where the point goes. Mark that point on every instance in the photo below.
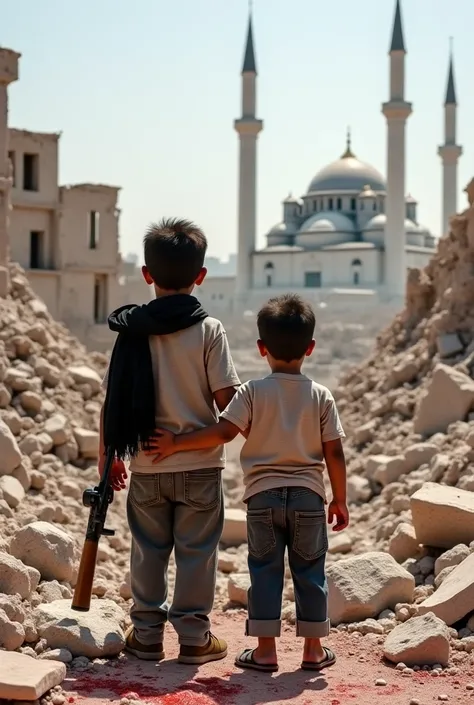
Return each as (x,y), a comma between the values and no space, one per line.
(248,128)
(450,152)
(8,74)
(396,111)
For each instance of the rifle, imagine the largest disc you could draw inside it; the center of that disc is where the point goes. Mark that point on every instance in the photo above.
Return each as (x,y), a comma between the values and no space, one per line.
(98,500)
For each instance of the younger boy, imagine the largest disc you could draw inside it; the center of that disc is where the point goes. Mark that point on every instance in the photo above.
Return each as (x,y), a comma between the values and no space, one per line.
(170,366)
(292,430)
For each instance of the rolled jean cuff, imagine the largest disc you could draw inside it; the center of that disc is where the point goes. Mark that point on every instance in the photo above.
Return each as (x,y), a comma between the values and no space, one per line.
(313,630)
(263,628)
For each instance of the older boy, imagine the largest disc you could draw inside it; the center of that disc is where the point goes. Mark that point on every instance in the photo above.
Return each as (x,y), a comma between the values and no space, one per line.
(171,366)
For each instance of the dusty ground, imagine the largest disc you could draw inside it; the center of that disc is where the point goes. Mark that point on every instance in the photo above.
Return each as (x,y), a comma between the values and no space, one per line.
(350,682)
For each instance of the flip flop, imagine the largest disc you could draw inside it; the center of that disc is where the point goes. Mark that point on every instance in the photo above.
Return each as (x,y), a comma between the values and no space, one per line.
(328,661)
(246,660)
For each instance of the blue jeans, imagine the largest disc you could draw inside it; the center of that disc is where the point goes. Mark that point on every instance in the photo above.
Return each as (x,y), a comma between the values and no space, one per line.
(293,518)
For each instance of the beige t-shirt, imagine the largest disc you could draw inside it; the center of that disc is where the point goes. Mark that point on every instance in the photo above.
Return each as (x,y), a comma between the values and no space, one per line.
(287,417)
(188,368)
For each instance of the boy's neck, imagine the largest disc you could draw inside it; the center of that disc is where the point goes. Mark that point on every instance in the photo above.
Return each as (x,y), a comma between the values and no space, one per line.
(287,368)
(159,293)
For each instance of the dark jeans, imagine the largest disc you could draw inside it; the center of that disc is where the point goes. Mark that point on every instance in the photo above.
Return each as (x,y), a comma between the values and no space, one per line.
(292,518)
(184,511)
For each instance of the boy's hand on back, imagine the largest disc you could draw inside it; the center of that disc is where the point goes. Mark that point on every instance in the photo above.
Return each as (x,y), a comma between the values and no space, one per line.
(339,511)
(118,474)
(161,445)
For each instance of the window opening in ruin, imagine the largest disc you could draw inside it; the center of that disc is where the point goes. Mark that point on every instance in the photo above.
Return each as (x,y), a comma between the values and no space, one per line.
(100,299)
(312,280)
(93,230)
(12,158)
(30,172)
(36,250)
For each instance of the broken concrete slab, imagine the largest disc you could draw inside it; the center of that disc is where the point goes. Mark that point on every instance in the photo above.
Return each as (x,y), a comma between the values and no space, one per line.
(454,598)
(25,678)
(443,516)
(449,398)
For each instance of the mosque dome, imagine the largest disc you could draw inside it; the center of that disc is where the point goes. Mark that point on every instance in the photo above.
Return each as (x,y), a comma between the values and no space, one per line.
(347,174)
(378,223)
(280,234)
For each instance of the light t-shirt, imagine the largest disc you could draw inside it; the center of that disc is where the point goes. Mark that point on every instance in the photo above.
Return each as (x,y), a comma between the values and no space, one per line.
(188,368)
(287,418)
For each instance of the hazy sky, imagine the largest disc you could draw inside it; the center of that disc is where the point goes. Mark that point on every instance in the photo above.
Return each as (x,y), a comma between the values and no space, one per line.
(146,92)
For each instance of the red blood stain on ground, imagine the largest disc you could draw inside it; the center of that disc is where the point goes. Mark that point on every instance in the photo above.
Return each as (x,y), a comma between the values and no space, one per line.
(351,681)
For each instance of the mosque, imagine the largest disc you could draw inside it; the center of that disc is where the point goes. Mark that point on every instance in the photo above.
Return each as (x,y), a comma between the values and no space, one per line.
(355,230)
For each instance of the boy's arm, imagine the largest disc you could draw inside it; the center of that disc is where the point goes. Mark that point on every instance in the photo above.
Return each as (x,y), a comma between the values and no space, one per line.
(223,397)
(336,465)
(119,472)
(166,443)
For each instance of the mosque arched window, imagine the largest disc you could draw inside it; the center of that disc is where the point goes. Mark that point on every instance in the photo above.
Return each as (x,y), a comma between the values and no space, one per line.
(353,204)
(269,269)
(356,266)
(339,204)
(330,204)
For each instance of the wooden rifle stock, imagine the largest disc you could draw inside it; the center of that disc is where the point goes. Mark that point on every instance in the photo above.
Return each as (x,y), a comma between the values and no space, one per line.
(98,499)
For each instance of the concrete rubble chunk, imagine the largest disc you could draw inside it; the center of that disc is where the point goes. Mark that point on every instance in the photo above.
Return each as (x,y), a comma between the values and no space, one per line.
(86,375)
(454,598)
(12,490)
(47,548)
(10,455)
(420,641)
(56,427)
(449,397)
(449,344)
(15,578)
(443,516)
(403,543)
(25,678)
(452,558)
(94,634)
(237,588)
(363,586)
(88,442)
(235,528)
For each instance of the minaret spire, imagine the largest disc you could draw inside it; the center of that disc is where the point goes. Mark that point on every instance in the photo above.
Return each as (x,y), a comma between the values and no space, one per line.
(249,65)
(450,151)
(248,127)
(396,110)
(451,88)
(398,41)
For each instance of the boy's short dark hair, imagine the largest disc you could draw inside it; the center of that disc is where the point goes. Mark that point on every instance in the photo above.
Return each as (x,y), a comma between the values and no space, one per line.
(174,252)
(286,327)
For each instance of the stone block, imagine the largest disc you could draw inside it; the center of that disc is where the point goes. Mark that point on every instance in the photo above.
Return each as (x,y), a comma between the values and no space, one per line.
(25,678)
(449,398)
(454,598)
(443,516)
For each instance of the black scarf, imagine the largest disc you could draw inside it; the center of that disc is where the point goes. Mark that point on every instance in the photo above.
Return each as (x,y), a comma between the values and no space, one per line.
(130,405)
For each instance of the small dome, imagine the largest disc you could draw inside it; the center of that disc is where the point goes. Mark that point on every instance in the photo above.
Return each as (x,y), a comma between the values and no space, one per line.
(410,199)
(278,229)
(327,222)
(378,224)
(292,199)
(367,192)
